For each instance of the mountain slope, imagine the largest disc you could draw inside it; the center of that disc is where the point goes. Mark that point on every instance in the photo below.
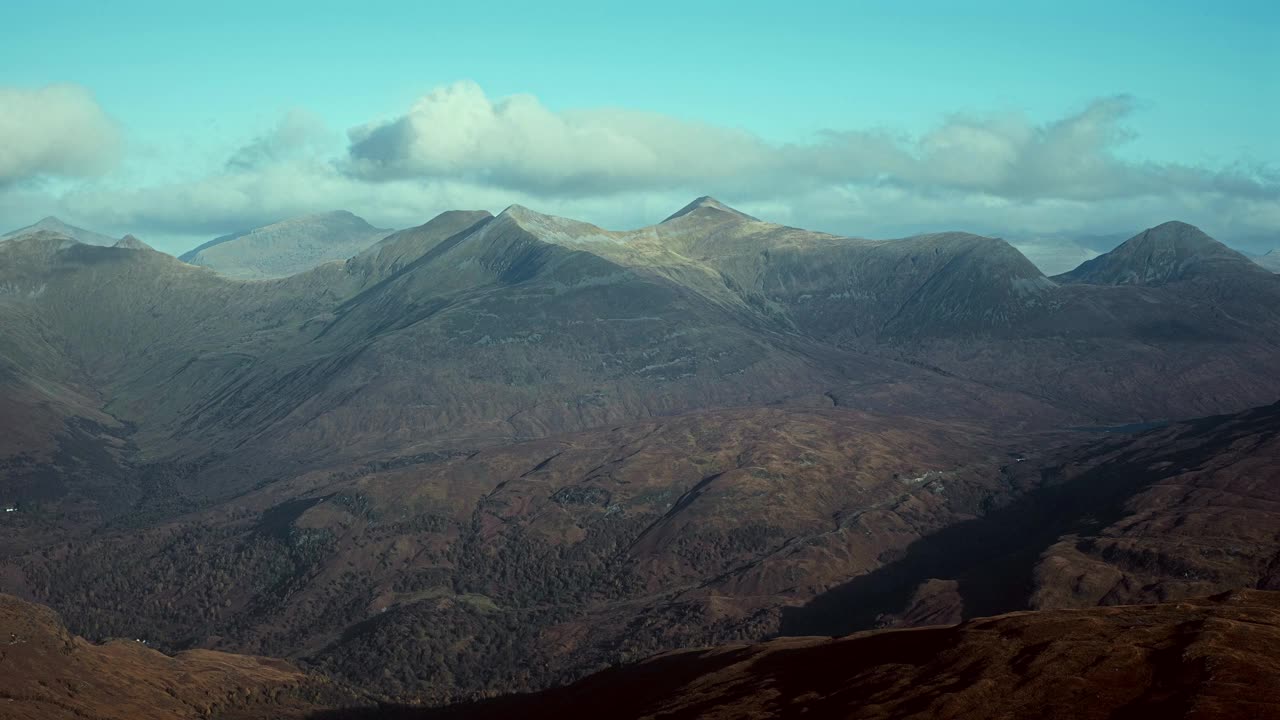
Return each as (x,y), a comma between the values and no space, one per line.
(287,247)
(49,674)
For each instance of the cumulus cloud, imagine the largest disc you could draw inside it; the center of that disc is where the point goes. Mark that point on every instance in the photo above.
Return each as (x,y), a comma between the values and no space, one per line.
(58,130)
(458,132)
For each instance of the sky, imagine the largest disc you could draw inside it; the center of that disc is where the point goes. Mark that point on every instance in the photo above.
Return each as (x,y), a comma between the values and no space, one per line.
(1060,126)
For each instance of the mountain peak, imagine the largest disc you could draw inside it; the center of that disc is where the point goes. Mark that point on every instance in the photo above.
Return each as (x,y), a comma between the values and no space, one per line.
(706,202)
(557,230)
(129,242)
(53,224)
(1165,253)
(517,212)
(1179,234)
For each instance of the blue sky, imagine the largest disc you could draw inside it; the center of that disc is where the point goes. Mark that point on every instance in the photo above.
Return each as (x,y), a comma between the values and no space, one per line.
(188,86)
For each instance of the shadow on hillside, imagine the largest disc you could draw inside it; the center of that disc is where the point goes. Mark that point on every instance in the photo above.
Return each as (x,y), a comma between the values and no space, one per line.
(992,557)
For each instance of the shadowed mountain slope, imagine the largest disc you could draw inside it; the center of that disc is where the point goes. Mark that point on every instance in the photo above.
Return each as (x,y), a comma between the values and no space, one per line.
(1210,659)
(1207,659)
(1171,513)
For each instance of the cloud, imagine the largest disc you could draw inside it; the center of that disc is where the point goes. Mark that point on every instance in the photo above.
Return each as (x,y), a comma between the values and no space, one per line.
(238,199)
(57,130)
(459,133)
(1037,183)
(299,134)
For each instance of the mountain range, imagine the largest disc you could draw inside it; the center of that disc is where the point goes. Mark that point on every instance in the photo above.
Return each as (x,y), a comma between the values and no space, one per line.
(497,453)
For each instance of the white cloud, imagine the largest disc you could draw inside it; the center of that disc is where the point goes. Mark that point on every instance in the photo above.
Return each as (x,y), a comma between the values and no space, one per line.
(57,130)
(457,132)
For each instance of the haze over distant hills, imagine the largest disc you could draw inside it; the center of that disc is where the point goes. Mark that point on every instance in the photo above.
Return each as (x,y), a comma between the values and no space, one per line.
(287,247)
(563,447)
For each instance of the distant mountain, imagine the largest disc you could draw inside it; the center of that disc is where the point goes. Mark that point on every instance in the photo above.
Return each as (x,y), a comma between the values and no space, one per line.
(1163,254)
(287,247)
(1270,261)
(54,225)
